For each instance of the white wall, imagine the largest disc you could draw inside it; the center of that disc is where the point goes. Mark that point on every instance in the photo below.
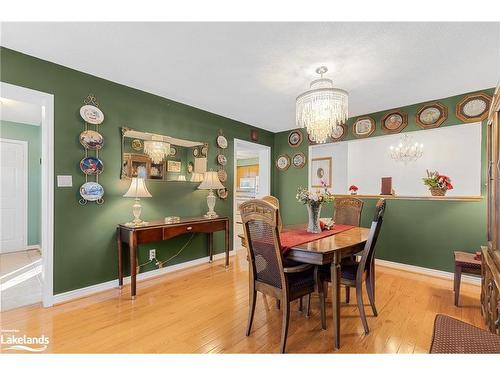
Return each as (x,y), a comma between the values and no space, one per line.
(454,151)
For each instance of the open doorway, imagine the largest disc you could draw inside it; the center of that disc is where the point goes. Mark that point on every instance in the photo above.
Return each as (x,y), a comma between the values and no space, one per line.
(26,191)
(252,178)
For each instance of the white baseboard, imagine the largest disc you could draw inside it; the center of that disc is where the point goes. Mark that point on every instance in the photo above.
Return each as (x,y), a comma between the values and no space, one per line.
(468,279)
(83,292)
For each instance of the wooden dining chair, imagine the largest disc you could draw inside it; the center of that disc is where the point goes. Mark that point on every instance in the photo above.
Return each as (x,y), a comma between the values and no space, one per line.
(347,211)
(270,272)
(275,201)
(354,272)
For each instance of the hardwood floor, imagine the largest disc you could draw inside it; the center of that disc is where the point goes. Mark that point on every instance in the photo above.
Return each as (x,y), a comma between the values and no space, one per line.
(204,310)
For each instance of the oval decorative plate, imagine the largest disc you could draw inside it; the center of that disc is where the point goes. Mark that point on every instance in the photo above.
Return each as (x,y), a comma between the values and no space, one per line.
(221,159)
(283,162)
(338,133)
(295,138)
(221,141)
(173,151)
(196,152)
(221,173)
(136,144)
(299,160)
(91,140)
(222,193)
(204,151)
(91,191)
(190,167)
(92,114)
(91,165)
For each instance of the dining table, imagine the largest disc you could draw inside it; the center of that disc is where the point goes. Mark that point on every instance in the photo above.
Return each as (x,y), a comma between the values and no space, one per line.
(328,250)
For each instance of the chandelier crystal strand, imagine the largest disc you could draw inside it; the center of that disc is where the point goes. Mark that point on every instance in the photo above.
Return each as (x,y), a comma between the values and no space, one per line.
(406,150)
(322,108)
(156,149)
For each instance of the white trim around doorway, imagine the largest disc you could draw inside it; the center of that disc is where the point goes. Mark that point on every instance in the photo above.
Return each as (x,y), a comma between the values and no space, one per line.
(46,101)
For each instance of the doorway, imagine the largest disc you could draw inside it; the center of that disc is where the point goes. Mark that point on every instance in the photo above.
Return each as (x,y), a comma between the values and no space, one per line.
(26,197)
(252,178)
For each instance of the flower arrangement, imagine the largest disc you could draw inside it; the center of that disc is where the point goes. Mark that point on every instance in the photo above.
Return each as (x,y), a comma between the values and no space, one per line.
(353,189)
(438,184)
(314,198)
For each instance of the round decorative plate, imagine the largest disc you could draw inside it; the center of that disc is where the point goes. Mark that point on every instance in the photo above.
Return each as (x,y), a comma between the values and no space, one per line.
(91,140)
(363,127)
(221,159)
(431,115)
(473,107)
(91,191)
(91,165)
(299,160)
(283,162)
(137,144)
(295,138)
(394,122)
(221,141)
(338,133)
(92,114)
(173,151)
(196,152)
(190,167)
(221,173)
(204,151)
(222,193)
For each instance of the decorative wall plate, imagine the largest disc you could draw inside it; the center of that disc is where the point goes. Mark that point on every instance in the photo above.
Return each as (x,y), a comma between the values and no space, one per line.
(91,140)
(196,152)
(173,150)
(221,159)
(363,127)
(92,114)
(137,144)
(394,122)
(338,133)
(190,167)
(431,115)
(221,141)
(283,162)
(221,173)
(91,165)
(222,193)
(295,138)
(299,160)
(311,142)
(91,191)
(473,107)
(204,151)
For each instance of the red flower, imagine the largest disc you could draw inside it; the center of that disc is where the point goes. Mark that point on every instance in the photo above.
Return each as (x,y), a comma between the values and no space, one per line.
(353,188)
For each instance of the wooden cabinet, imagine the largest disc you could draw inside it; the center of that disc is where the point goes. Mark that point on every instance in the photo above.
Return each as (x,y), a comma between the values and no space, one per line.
(490,272)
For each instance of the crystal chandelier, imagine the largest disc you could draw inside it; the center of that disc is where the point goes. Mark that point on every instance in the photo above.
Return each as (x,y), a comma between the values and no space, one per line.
(156,149)
(321,109)
(406,150)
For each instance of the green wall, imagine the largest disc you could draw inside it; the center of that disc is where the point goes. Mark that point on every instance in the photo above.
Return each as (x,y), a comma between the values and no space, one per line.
(31,134)
(422,233)
(85,245)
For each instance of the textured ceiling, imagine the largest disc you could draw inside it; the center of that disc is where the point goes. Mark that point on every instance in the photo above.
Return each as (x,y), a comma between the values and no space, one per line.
(252,72)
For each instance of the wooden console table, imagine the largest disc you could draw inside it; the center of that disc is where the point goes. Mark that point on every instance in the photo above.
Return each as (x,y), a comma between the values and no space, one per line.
(160,231)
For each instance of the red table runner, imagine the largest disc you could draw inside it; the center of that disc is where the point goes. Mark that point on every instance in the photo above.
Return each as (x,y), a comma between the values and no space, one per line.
(293,238)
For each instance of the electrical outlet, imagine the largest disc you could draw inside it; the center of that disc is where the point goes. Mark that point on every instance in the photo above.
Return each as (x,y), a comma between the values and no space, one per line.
(152,254)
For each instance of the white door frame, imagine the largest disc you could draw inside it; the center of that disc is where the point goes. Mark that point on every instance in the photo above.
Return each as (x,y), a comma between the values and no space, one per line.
(46,101)
(261,147)
(25,192)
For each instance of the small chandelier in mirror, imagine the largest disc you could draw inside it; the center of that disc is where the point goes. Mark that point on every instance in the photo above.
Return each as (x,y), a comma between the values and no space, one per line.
(406,150)
(156,149)
(322,108)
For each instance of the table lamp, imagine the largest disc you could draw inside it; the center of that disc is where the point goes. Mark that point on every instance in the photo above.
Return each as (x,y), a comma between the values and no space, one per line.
(211,181)
(137,190)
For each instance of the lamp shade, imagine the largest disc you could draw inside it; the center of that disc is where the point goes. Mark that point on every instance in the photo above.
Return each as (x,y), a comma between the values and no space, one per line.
(137,189)
(196,177)
(210,181)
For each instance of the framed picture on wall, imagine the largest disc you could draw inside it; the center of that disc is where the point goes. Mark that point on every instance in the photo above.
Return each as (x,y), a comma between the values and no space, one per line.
(431,116)
(173,166)
(363,127)
(394,122)
(321,172)
(473,107)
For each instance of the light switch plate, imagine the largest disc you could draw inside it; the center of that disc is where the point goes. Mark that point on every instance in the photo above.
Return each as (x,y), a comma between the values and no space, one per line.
(64,181)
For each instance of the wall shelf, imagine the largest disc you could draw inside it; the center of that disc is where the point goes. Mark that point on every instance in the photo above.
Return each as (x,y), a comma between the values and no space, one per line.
(466,198)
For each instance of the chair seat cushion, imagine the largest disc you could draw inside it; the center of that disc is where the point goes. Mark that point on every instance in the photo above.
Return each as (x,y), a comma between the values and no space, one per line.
(348,270)
(454,336)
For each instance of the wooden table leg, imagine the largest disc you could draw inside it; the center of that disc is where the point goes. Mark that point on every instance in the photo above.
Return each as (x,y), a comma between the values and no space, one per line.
(133,265)
(226,243)
(335,273)
(120,258)
(210,247)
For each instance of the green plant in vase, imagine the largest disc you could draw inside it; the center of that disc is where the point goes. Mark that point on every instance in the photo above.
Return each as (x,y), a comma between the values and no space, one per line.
(313,200)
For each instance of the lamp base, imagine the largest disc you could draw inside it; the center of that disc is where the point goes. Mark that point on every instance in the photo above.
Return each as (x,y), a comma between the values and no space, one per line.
(136,210)
(210,215)
(211,204)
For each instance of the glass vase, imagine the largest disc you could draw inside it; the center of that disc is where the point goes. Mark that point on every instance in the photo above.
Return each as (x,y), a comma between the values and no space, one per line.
(313,225)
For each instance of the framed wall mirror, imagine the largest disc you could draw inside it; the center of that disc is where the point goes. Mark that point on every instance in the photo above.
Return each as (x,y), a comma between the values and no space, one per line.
(164,158)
